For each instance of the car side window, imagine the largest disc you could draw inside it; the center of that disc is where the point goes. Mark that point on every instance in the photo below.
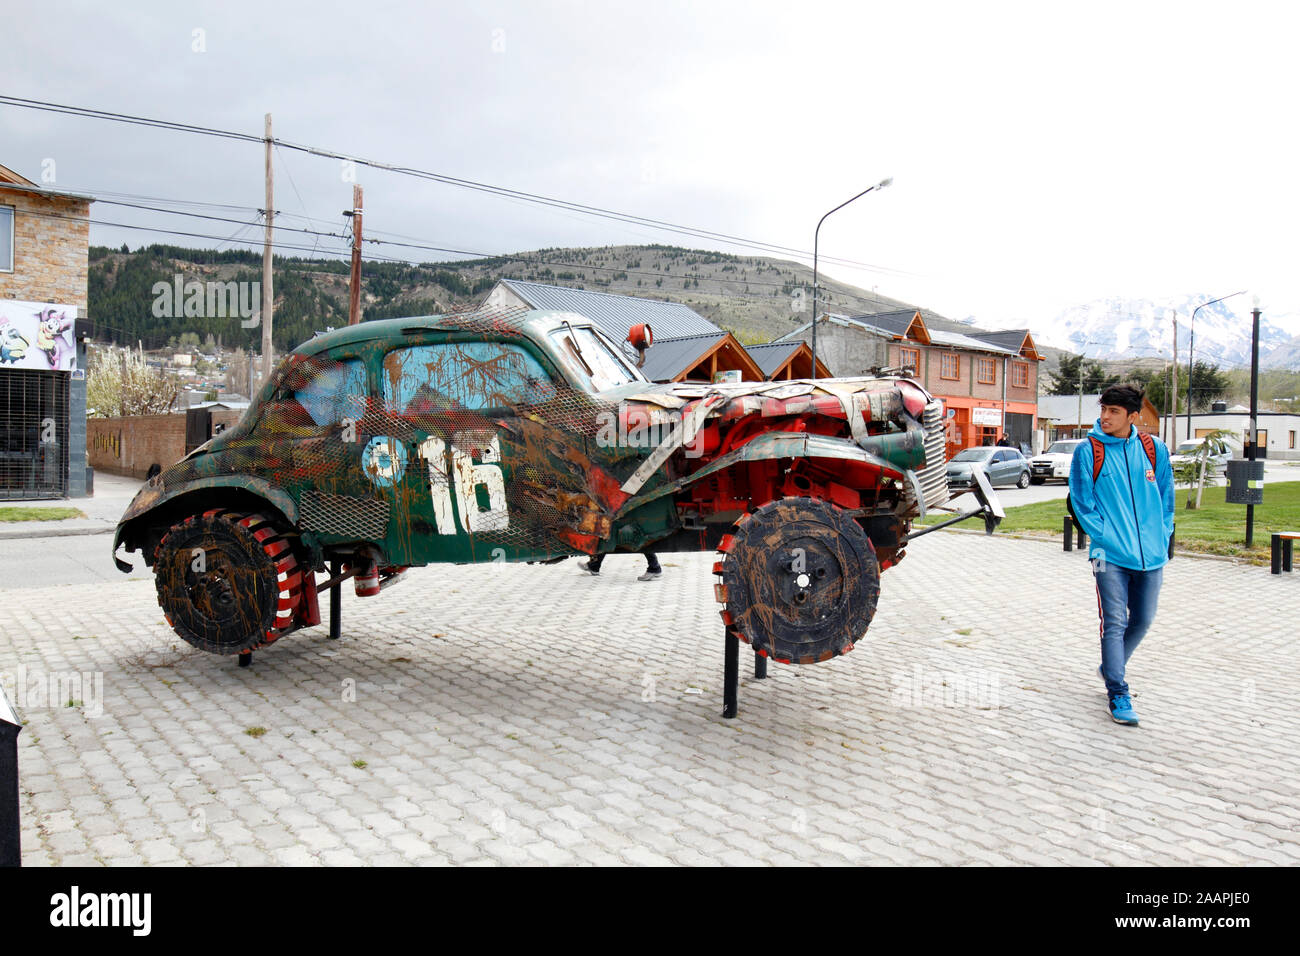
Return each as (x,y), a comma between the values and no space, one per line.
(426,379)
(334,391)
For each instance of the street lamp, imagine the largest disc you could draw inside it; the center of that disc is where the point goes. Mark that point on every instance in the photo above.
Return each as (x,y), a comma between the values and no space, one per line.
(1252,449)
(816,234)
(1191,342)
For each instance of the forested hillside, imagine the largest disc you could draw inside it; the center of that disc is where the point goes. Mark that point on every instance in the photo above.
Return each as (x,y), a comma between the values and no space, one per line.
(752,296)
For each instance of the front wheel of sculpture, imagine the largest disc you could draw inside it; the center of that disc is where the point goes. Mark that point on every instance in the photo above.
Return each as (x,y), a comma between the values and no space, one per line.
(799,579)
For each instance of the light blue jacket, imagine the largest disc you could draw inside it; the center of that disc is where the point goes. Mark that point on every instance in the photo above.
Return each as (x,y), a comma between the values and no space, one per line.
(1129,512)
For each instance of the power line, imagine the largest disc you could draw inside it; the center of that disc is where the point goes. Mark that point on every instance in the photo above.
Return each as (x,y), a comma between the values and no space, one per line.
(526,260)
(502,191)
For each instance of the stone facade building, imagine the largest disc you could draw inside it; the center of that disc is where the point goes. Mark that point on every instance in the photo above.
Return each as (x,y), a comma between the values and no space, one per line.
(44,268)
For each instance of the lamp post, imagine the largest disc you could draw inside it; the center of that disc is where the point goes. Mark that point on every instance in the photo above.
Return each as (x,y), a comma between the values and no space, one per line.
(816,235)
(1191,342)
(1251,449)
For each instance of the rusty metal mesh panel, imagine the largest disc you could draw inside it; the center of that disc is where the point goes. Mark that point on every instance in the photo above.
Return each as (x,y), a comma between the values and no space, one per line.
(348,517)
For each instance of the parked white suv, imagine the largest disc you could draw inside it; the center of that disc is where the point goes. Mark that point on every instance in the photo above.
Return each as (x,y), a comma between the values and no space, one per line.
(1055,462)
(1220,454)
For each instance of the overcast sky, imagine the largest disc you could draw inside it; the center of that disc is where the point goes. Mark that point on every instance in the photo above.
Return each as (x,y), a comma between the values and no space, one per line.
(1043,154)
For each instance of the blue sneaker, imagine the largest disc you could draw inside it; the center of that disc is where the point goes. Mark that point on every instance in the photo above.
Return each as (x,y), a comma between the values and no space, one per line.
(1121,710)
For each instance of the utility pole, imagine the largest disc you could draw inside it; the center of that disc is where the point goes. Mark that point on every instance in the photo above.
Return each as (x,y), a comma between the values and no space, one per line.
(1172,403)
(1252,449)
(1080,426)
(268,292)
(354,302)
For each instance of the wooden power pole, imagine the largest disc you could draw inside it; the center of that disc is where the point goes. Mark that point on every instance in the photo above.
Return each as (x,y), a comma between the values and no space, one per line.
(354,302)
(268,291)
(1173,391)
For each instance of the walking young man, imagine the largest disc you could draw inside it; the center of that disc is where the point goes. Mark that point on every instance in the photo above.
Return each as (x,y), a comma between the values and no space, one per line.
(1122,493)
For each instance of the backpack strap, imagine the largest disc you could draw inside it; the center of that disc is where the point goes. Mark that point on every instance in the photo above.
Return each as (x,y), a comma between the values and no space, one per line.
(1098,456)
(1149,446)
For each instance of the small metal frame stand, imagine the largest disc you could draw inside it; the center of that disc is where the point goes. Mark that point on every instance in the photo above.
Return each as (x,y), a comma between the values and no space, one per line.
(245,658)
(731,672)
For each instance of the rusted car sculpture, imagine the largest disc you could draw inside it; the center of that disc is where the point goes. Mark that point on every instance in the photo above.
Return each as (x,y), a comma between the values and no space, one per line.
(530,436)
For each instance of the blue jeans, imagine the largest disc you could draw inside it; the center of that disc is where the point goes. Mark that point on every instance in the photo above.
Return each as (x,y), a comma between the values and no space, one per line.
(1126,601)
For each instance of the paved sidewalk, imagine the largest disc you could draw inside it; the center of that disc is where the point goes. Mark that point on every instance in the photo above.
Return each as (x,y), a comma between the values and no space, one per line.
(103,510)
(515,714)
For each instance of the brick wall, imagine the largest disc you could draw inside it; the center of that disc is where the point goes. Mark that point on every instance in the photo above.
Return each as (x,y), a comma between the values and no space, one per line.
(51,256)
(128,446)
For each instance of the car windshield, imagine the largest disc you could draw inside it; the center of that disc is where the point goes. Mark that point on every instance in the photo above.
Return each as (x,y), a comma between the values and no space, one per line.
(974,454)
(592,359)
(1063,448)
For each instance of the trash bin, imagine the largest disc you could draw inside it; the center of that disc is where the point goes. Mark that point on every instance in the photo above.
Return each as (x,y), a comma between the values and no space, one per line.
(1245,482)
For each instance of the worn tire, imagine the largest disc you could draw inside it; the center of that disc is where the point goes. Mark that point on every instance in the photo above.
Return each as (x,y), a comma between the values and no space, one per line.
(243,593)
(799,579)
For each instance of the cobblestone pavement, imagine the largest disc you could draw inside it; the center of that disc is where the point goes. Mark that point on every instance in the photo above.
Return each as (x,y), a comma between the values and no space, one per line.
(514,714)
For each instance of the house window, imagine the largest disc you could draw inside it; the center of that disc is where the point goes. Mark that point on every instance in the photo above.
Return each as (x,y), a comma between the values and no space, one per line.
(1020,374)
(911,358)
(6,238)
(987,371)
(950,365)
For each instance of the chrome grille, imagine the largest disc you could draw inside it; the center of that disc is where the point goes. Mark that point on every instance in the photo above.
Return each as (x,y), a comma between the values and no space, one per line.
(934,476)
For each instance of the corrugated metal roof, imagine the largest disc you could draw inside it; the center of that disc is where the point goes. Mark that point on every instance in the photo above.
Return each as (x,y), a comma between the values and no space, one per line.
(895,322)
(770,356)
(834,319)
(888,329)
(668,358)
(615,314)
(959,341)
(1010,339)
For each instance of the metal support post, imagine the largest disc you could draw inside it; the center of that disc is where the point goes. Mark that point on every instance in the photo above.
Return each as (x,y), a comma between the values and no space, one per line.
(731,674)
(336,604)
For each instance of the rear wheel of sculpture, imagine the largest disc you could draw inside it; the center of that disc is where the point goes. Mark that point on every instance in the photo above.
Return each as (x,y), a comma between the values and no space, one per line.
(227,582)
(799,579)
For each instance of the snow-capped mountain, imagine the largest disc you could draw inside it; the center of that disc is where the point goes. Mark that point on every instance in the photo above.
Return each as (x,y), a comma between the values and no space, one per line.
(1115,328)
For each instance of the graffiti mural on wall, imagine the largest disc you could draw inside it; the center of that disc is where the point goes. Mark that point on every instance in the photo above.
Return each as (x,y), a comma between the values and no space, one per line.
(37,335)
(110,443)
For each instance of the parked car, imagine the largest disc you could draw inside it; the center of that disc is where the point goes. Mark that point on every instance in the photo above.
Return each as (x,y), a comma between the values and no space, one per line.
(1004,466)
(528,436)
(1055,462)
(1220,454)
